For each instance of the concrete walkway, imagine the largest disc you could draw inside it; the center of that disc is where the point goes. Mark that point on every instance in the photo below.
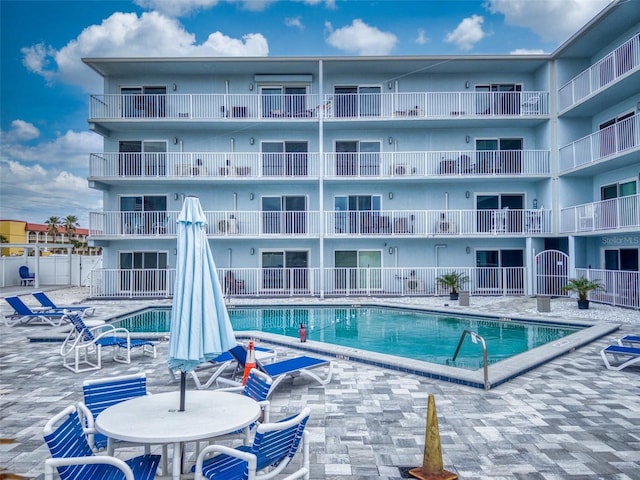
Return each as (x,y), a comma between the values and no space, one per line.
(568,419)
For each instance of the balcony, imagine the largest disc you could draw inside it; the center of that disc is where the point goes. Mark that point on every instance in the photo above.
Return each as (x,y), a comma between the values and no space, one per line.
(338,224)
(616,214)
(617,64)
(220,224)
(205,165)
(365,106)
(437,164)
(611,141)
(304,282)
(437,223)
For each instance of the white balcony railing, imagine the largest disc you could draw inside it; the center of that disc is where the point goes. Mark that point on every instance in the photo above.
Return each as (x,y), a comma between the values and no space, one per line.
(624,59)
(232,165)
(507,222)
(612,140)
(437,163)
(304,282)
(239,165)
(219,224)
(222,107)
(621,288)
(614,214)
(420,223)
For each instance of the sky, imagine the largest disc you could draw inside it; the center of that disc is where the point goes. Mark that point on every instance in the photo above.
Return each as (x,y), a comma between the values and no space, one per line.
(45,87)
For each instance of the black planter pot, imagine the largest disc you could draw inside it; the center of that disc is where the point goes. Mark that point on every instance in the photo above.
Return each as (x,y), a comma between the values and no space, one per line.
(453,296)
(583,304)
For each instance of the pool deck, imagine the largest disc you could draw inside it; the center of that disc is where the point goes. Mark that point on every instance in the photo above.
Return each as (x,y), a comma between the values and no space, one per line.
(570,418)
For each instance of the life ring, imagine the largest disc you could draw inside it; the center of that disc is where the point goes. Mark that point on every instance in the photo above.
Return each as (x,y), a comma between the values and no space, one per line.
(223,226)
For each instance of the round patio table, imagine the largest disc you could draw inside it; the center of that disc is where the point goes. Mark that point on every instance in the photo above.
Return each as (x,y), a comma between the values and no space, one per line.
(155,419)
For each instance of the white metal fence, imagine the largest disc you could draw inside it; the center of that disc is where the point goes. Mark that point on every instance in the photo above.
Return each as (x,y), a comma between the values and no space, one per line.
(613,214)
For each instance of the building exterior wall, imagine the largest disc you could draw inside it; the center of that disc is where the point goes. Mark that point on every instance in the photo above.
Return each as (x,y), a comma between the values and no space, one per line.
(377,155)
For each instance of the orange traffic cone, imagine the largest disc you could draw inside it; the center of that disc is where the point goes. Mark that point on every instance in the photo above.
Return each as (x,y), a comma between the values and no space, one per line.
(249,363)
(432,459)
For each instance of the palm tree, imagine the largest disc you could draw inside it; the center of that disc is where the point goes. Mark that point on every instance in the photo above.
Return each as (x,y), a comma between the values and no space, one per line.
(71,224)
(53,223)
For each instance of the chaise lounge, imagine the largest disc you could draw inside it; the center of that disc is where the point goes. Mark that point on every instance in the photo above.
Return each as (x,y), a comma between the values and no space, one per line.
(623,356)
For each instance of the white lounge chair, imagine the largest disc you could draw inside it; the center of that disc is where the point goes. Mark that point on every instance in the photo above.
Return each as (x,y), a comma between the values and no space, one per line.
(46,302)
(622,356)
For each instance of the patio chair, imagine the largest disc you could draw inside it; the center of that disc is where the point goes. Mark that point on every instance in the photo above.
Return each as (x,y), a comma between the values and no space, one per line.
(622,356)
(274,447)
(23,314)
(74,459)
(81,350)
(278,371)
(257,387)
(46,302)
(102,393)
(26,277)
(630,341)
(219,365)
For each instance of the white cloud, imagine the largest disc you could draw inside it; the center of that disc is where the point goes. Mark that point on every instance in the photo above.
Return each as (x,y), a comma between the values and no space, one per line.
(361,39)
(127,35)
(20,131)
(181,8)
(421,39)
(467,33)
(552,20)
(295,22)
(36,193)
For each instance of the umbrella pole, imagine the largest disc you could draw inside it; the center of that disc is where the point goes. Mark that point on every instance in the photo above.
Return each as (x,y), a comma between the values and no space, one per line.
(183,388)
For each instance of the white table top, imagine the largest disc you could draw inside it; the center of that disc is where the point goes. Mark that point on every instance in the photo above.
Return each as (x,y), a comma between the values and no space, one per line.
(156,419)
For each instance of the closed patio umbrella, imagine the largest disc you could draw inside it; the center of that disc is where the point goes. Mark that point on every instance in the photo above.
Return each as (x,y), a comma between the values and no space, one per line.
(200,325)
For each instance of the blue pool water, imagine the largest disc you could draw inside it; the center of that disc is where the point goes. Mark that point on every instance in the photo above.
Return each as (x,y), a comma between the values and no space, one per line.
(425,336)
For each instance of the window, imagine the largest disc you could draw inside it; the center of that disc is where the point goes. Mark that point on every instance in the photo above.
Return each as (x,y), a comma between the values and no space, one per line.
(617,134)
(359,214)
(143,272)
(500,270)
(286,269)
(500,212)
(615,210)
(138,157)
(498,99)
(144,101)
(357,101)
(357,269)
(284,158)
(499,155)
(286,214)
(141,213)
(283,101)
(357,158)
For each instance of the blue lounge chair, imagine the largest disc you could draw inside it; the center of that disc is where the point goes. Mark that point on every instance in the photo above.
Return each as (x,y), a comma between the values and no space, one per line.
(74,459)
(220,365)
(26,277)
(291,367)
(622,356)
(46,302)
(82,349)
(630,341)
(23,314)
(274,447)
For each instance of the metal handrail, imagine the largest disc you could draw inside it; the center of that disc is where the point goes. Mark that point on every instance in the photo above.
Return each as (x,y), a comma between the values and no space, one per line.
(474,338)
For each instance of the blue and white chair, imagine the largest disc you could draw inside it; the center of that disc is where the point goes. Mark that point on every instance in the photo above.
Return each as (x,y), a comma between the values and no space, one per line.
(23,314)
(81,350)
(272,451)
(46,302)
(303,365)
(73,458)
(622,356)
(26,277)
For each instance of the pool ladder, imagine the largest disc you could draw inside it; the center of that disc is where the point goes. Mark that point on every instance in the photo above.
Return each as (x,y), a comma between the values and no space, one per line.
(475,338)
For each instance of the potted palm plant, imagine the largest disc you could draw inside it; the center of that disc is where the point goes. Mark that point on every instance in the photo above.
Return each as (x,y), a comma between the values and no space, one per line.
(453,280)
(582,286)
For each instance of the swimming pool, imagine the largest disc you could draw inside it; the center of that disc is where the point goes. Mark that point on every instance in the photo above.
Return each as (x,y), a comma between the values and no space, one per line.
(405,339)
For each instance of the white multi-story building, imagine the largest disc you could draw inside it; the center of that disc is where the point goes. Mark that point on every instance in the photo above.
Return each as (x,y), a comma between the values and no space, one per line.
(374,175)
